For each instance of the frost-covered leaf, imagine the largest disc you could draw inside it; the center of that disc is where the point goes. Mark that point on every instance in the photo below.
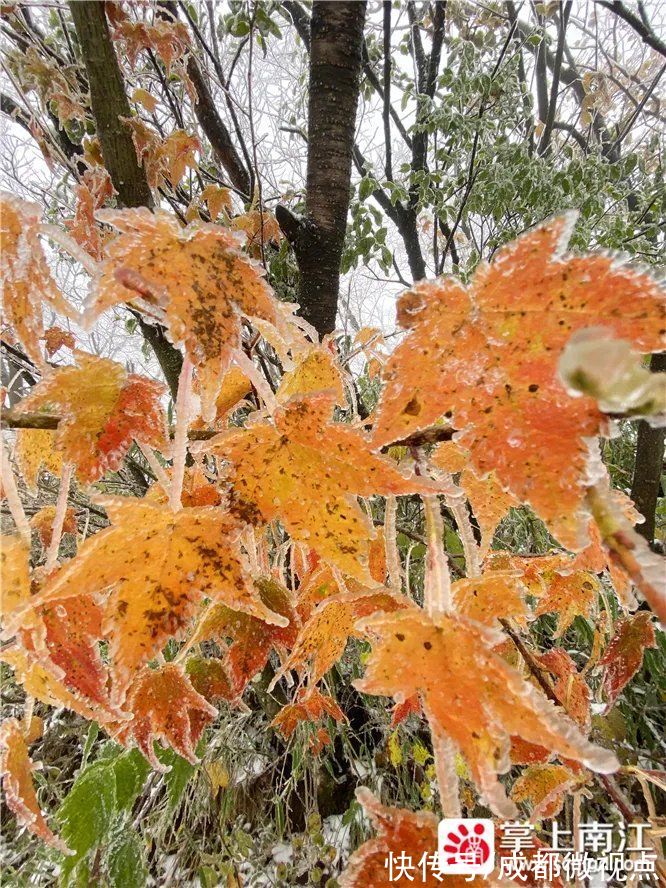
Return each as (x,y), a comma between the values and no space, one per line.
(35,450)
(323,639)
(26,278)
(483,701)
(56,338)
(305,470)
(92,193)
(166,707)
(398,831)
(309,705)
(570,686)
(103,409)
(17,782)
(569,595)
(317,370)
(124,863)
(195,279)
(86,815)
(261,229)
(42,522)
(491,596)
(251,639)
(544,788)
(159,565)
(624,655)
(486,357)
(14,573)
(44,681)
(489,501)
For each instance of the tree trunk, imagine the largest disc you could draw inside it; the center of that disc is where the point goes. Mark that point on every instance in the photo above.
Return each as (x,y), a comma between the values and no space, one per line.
(335,65)
(109,104)
(649,465)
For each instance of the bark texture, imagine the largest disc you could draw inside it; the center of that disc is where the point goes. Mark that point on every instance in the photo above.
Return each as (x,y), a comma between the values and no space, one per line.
(336,40)
(109,103)
(649,465)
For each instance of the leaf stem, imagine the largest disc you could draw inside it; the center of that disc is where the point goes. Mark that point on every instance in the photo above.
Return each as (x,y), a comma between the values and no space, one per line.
(183,405)
(59,517)
(13,499)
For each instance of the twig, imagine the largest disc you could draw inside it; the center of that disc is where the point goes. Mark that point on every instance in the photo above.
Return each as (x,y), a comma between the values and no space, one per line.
(59,517)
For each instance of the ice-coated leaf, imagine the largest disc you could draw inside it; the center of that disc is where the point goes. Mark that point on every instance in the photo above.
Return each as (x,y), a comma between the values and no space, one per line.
(86,815)
(486,357)
(624,655)
(398,831)
(544,788)
(103,409)
(489,501)
(166,707)
(56,338)
(159,565)
(43,680)
(14,573)
(251,639)
(123,861)
(17,782)
(42,522)
(482,702)
(491,596)
(570,686)
(316,371)
(26,278)
(35,450)
(309,705)
(323,639)
(569,595)
(195,279)
(305,470)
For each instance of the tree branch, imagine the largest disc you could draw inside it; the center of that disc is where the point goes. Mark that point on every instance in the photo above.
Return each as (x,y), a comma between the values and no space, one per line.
(639,25)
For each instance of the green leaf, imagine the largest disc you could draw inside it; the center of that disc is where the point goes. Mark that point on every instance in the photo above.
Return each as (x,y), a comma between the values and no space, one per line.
(124,860)
(131,770)
(178,777)
(87,813)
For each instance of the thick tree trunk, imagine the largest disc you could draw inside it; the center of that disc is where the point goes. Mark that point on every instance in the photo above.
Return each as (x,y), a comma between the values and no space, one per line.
(109,105)
(336,41)
(649,465)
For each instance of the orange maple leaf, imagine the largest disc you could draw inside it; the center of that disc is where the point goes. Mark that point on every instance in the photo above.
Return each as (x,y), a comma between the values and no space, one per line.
(483,701)
(91,194)
(26,278)
(251,639)
(35,449)
(317,370)
(323,639)
(166,707)
(569,595)
(56,338)
(486,357)
(182,557)
(399,831)
(624,655)
(488,597)
(303,469)
(17,770)
(309,705)
(544,788)
(42,522)
(195,279)
(102,409)
(261,228)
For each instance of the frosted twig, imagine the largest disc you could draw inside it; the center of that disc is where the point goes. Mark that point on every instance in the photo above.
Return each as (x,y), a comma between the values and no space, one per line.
(28,710)
(70,245)
(437,585)
(445,768)
(59,517)
(13,499)
(390,543)
(156,466)
(183,403)
(263,388)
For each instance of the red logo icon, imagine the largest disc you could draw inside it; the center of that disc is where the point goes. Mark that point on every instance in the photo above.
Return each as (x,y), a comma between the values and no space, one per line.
(466,846)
